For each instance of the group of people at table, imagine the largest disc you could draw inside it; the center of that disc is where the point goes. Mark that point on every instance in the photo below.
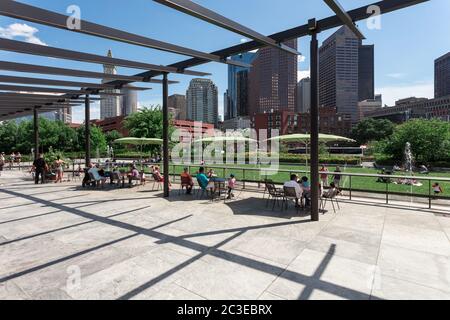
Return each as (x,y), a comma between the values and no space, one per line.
(207,181)
(112,171)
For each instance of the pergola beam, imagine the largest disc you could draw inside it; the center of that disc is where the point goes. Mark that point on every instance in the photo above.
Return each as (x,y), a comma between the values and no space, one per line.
(35,49)
(14,9)
(62,83)
(386,6)
(345,17)
(30,68)
(205,14)
(38,96)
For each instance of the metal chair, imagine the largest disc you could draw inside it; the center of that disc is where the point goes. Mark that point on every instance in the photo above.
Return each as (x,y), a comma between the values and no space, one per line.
(290,194)
(276,195)
(185,183)
(332,196)
(157,182)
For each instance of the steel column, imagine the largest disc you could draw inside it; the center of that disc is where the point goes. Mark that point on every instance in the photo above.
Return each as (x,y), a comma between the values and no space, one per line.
(314,128)
(36,132)
(165,92)
(87,130)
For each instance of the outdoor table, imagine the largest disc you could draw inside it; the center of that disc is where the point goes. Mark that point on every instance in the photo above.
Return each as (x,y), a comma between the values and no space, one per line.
(218,183)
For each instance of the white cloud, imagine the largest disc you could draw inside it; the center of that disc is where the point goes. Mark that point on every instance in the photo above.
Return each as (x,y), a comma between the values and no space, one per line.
(303,74)
(394,93)
(244,40)
(21,30)
(301,58)
(398,75)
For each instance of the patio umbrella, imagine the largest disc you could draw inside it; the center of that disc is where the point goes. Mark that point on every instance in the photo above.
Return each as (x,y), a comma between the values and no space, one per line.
(306,139)
(140,142)
(225,139)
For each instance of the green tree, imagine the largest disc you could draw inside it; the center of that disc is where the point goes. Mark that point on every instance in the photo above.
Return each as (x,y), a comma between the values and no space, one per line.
(8,136)
(111,136)
(430,141)
(147,123)
(372,130)
(98,139)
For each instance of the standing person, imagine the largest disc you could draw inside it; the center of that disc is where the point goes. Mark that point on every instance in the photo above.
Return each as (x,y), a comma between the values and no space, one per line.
(12,158)
(231,186)
(18,158)
(337,177)
(59,165)
(2,161)
(324,176)
(39,166)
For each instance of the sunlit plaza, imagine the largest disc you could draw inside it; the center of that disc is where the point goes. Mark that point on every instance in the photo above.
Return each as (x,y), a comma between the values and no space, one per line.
(65,242)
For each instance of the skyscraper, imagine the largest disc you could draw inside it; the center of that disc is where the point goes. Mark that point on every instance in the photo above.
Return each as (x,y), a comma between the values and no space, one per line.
(202,101)
(366,72)
(346,72)
(442,76)
(273,80)
(177,106)
(236,98)
(129,101)
(110,105)
(304,95)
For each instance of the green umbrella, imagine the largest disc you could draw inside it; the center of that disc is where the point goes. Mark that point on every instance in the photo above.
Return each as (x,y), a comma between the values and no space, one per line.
(226,139)
(139,142)
(306,139)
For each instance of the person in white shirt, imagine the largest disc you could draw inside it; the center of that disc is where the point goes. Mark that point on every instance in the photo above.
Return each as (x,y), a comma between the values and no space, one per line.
(94,171)
(293,183)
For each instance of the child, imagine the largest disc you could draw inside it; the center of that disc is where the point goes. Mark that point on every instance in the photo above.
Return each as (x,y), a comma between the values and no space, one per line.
(437,189)
(231,186)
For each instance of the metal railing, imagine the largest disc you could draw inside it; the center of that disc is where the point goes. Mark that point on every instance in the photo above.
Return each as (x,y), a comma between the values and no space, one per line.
(387,189)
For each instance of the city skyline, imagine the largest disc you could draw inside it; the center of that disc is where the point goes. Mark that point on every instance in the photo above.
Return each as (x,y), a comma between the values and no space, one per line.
(402,67)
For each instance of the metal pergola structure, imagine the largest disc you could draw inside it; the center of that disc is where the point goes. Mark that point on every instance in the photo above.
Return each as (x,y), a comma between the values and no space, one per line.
(18,100)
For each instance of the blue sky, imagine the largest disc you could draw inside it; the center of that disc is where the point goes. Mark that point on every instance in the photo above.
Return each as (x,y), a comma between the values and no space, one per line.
(405,47)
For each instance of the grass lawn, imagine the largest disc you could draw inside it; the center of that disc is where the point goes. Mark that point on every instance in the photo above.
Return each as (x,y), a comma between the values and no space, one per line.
(362,183)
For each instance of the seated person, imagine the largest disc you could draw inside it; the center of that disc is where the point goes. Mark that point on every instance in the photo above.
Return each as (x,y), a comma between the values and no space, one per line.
(437,189)
(158,176)
(134,175)
(202,179)
(211,174)
(306,187)
(294,184)
(332,191)
(423,170)
(186,181)
(96,175)
(231,186)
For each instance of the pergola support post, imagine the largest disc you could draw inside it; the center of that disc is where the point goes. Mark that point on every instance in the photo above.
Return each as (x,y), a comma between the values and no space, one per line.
(165,92)
(87,130)
(314,111)
(36,132)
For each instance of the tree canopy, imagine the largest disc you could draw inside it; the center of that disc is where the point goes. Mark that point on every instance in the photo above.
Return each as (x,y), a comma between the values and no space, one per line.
(430,141)
(372,130)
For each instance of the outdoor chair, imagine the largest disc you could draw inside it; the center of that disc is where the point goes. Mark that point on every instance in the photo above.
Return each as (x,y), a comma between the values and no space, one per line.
(265,186)
(290,194)
(332,196)
(185,184)
(157,182)
(275,195)
(96,182)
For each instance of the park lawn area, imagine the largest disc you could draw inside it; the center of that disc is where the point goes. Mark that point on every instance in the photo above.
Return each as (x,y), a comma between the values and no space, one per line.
(252,173)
